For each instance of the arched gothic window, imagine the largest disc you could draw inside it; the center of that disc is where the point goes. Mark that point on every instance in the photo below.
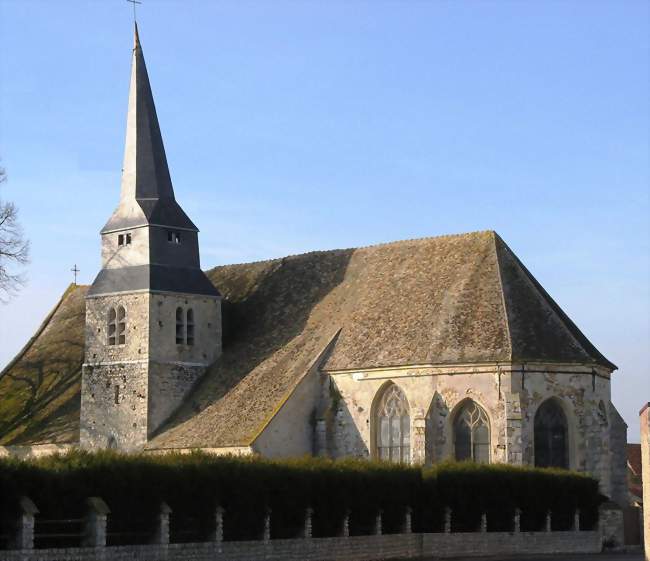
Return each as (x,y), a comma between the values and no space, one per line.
(472,433)
(112,326)
(180,327)
(393,426)
(551,436)
(189,326)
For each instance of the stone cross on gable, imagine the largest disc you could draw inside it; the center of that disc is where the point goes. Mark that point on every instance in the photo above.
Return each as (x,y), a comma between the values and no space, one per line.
(75,271)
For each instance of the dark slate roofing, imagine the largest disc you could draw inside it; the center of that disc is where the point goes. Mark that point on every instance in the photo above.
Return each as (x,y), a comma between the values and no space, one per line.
(152,277)
(450,299)
(145,175)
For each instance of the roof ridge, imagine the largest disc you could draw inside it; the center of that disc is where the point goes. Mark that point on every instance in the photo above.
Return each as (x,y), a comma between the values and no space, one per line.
(495,239)
(565,321)
(42,327)
(370,246)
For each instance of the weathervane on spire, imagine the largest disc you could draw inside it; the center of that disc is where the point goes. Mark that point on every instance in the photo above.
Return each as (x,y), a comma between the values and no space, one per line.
(134,2)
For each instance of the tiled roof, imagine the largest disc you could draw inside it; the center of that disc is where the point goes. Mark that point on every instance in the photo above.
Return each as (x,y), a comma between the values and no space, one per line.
(451,299)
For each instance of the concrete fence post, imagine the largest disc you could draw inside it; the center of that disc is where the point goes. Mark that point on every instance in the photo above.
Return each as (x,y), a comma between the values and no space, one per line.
(218,524)
(447,520)
(408,521)
(307,528)
(378,523)
(483,528)
(345,525)
(266,536)
(548,527)
(162,529)
(24,536)
(96,523)
(576,520)
(517,525)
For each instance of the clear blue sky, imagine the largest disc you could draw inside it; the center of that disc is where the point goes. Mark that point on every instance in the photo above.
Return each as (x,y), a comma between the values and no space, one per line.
(293,126)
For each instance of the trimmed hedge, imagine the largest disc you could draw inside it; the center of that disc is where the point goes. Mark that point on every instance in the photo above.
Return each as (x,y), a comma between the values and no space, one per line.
(194,484)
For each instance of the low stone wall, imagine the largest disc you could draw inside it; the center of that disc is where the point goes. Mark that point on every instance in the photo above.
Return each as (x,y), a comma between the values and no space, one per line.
(356,548)
(24,452)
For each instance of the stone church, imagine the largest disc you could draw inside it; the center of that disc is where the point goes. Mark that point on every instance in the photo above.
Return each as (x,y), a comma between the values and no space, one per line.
(415,351)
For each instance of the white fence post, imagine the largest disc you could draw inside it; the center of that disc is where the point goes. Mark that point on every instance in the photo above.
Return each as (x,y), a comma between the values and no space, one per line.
(96,523)
(517,525)
(483,523)
(307,528)
(266,536)
(447,520)
(162,531)
(378,523)
(408,520)
(548,522)
(345,526)
(24,536)
(218,524)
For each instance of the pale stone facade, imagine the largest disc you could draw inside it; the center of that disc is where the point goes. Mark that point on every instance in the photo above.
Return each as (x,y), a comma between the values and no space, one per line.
(645,459)
(510,395)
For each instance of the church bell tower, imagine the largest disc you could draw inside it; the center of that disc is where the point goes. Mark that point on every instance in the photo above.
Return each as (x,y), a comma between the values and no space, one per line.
(153,319)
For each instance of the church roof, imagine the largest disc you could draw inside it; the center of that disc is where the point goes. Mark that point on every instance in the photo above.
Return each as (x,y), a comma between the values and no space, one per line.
(445,300)
(147,195)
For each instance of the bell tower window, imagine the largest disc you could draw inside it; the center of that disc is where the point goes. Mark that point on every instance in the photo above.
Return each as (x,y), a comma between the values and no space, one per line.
(173,237)
(112,326)
(121,325)
(124,239)
(116,326)
(180,327)
(189,326)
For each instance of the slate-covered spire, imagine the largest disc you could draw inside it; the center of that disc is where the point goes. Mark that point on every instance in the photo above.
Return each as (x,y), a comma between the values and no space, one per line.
(147,195)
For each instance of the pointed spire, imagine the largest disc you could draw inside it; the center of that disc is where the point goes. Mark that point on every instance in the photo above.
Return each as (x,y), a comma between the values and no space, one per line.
(145,174)
(147,195)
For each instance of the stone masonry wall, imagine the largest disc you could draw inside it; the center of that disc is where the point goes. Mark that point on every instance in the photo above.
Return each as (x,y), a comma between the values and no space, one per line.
(358,548)
(645,462)
(114,390)
(509,394)
(618,445)
(114,406)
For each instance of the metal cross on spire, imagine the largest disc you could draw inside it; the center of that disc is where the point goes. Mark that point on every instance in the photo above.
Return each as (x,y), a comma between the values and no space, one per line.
(134,2)
(75,271)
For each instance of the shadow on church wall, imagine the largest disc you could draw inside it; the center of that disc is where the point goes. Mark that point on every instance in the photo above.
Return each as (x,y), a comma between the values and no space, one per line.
(266,305)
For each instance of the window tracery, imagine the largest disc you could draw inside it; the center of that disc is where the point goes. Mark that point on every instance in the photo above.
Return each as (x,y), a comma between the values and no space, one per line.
(551,436)
(472,433)
(393,426)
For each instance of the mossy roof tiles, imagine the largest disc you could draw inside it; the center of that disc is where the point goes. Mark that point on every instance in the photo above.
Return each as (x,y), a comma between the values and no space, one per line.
(446,300)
